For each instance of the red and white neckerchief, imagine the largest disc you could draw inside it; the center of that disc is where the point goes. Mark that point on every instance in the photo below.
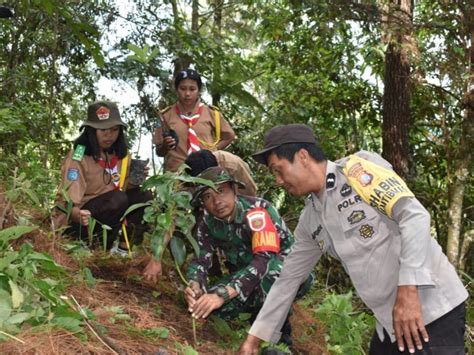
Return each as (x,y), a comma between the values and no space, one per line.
(111,167)
(193,142)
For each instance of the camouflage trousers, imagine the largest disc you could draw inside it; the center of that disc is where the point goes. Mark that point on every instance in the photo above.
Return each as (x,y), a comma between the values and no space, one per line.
(255,300)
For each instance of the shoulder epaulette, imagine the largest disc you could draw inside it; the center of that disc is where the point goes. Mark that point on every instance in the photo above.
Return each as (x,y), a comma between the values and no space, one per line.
(166,109)
(79,152)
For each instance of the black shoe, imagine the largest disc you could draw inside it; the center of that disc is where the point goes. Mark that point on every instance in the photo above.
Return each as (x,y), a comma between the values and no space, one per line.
(273,351)
(286,334)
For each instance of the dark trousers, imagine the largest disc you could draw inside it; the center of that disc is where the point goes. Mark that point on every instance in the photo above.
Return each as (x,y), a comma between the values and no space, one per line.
(107,209)
(446,336)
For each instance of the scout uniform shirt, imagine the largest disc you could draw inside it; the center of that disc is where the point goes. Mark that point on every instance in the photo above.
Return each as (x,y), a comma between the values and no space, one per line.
(253,244)
(381,244)
(84,178)
(205,129)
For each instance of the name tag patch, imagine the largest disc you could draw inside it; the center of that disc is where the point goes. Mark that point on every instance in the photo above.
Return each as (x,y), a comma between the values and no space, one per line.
(72,174)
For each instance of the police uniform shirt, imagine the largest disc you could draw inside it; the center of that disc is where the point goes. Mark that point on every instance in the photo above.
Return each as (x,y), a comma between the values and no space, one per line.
(378,252)
(205,129)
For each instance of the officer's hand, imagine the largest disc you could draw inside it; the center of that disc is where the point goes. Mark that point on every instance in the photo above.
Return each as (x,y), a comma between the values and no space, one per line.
(206,304)
(192,294)
(84,216)
(169,142)
(408,320)
(250,346)
(153,270)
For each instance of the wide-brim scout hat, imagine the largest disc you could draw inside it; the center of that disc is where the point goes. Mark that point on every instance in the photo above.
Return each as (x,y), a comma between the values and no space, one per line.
(279,135)
(218,176)
(103,115)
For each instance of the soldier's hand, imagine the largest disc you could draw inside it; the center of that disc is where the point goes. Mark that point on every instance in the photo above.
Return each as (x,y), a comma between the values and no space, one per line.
(408,320)
(192,293)
(250,346)
(206,304)
(84,216)
(153,270)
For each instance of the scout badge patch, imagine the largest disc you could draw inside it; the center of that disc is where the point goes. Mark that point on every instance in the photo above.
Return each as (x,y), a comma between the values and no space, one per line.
(79,152)
(72,174)
(264,234)
(381,188)
(103,113)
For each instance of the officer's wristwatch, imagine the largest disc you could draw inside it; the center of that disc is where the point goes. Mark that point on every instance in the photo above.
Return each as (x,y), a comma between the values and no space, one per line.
(222,292)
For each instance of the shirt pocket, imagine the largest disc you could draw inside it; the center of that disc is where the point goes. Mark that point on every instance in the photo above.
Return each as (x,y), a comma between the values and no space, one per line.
(360,224)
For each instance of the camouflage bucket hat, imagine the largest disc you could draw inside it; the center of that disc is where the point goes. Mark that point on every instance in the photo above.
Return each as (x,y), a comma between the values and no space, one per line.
(103,115)
(215,174)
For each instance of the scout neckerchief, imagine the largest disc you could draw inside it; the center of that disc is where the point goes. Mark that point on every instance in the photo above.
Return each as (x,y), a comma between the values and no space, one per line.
(111,167)
(193,142)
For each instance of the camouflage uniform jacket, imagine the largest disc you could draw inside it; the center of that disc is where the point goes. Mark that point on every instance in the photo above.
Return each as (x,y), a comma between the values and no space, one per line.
(249,248)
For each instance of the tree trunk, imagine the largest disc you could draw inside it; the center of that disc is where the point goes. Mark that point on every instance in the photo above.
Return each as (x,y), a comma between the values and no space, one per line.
(463,164)
(215,89)
(396,97)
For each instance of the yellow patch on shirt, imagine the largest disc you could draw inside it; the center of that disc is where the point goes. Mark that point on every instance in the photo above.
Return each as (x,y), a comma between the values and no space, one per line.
(264,234)
(381,188)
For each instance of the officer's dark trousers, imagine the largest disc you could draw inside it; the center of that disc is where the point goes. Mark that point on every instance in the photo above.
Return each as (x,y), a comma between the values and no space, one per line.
(446,337)
(108,208)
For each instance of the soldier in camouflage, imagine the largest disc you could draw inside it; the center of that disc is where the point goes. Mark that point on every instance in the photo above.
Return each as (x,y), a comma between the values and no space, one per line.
(253,239)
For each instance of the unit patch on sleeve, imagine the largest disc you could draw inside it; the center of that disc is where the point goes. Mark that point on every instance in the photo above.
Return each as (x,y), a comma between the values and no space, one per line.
(381,188)
(264,234)
(366,231)
(72,174)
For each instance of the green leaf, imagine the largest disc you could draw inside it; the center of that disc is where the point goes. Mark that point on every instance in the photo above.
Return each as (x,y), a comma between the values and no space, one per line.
(19,318)
(68,323)
(7,259)
(5,306)
(178,249)
(15,232)
(135,207)
(17,295)
(90,280)
(194,243)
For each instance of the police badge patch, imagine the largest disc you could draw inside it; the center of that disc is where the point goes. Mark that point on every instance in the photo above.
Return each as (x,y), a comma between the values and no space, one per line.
(366,231)
(356,216)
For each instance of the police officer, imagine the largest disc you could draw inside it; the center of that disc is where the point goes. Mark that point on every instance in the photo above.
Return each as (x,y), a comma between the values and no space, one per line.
(363,214)
(253,238)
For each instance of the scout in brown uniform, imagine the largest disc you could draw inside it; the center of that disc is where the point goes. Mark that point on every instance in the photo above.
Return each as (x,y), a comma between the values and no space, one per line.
(196,125)
(95,176)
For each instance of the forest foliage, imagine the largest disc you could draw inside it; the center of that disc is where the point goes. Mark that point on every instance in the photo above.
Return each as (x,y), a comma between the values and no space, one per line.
(264,63)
